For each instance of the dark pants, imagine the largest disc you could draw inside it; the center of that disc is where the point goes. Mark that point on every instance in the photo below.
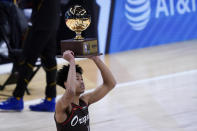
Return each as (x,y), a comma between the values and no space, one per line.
(38,44)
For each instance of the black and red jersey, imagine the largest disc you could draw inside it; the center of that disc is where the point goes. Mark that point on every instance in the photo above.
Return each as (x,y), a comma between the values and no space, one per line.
(77,119)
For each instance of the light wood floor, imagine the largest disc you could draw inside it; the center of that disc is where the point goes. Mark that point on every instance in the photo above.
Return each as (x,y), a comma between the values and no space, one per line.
(156,91)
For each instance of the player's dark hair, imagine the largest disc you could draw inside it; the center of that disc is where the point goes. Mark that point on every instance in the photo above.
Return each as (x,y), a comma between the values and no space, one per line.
(62,74)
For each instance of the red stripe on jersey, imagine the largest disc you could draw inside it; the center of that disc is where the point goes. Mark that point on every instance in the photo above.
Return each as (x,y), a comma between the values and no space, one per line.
(69,117)
(77,106)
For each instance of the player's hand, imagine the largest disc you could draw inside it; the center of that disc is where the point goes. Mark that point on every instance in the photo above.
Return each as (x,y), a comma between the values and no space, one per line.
(94,58)
(69,56)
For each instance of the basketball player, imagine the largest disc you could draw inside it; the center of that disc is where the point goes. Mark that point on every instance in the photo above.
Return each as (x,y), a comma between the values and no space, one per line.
(71,113)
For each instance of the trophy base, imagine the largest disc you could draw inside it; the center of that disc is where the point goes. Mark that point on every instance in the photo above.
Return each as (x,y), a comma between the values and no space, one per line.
(87,56)
(81,48)
(82,56)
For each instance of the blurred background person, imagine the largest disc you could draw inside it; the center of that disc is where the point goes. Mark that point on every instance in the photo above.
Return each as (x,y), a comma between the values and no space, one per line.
(40,42)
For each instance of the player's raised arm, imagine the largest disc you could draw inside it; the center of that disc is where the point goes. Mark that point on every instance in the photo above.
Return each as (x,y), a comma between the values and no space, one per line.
(109,82)
(63,104)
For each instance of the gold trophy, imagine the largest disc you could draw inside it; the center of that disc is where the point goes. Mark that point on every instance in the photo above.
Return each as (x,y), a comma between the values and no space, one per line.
(78,20)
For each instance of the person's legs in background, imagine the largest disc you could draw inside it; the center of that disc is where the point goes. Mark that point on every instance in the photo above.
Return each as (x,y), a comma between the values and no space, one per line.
(34,45)
(49,64)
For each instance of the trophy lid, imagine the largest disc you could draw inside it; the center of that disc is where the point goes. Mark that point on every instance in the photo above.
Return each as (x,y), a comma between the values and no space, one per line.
(76,11)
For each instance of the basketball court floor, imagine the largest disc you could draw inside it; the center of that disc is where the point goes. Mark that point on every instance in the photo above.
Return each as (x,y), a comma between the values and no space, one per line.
(156,91)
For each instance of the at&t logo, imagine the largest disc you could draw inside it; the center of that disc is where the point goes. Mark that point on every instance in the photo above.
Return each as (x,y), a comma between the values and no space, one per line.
(138,13)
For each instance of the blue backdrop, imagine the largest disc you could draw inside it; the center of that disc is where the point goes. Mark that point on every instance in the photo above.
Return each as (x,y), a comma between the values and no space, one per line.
(144,23)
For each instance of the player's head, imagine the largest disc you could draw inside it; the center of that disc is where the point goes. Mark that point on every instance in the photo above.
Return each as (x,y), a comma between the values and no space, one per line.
(62,75)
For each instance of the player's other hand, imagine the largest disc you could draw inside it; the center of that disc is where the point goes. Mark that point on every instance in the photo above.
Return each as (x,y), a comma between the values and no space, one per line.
(94,58)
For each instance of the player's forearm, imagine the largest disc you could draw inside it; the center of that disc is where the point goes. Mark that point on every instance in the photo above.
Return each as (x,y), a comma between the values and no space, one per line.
(71,78)
(69,94)
(108,78)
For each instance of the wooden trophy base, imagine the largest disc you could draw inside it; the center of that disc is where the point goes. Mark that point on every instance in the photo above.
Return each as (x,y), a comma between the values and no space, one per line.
(81,48)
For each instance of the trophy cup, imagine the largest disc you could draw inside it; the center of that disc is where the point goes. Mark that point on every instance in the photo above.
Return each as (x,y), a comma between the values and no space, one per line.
(78,20)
